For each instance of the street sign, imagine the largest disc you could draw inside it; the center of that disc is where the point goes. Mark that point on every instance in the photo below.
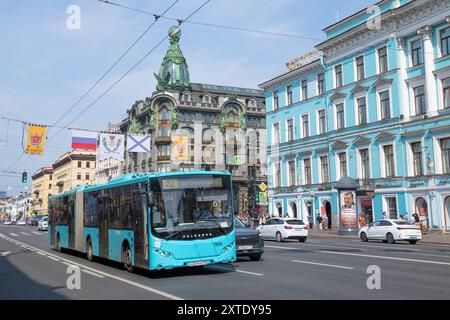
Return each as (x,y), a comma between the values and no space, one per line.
(263,186)
(263,198)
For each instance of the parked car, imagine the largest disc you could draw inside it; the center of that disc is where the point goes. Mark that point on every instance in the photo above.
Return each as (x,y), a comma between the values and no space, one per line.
(249,242)
(284,228)
(43,224)
(7,222)
(21,222)
(35,220)
(390,231)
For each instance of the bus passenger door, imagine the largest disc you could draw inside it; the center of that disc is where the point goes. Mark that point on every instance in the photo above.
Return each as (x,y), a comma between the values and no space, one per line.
(139,219)
(71,222)
(103,215)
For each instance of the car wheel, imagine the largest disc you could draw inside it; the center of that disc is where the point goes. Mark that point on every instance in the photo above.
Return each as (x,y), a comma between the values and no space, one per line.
(279,237)
(412,241)
(126,258)
(255,257)
(89,254)
(302,239)
(363,237)
(390,238)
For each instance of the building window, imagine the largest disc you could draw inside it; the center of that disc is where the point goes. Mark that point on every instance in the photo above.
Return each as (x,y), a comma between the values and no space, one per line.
(50,186)
(321,83)
(307,172)
(277,175)
(389,169)
(338,76)
(385,105)
(419,100)
(365,163)
(163,114)
(324,169)
(289,95)
(392,207)
(305,125)
(360,68)
(340,116)
(322,121)
(79,176)
(445,150)
(342,164)
(291,165)
(416,52)
(275,100)
(290,130)
(88,164)
(382,60)
(362,110)
(304,89)
(276,133)
(445,41)
(87,176)
(206,99)
(79,164)
(416,149)
(446,86)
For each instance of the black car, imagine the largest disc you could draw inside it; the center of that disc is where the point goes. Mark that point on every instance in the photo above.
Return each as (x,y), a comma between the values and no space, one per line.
(249,242)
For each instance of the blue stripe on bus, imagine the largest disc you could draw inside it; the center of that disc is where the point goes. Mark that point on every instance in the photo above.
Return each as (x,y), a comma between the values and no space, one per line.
(115,240)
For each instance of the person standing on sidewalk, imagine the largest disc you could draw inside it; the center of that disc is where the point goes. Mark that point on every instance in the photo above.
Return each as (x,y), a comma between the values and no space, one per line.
(319,222)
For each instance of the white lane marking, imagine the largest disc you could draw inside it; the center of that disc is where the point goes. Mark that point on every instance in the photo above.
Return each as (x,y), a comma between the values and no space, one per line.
(54,259)
(365,245)
(138,285)
(314,245)
(24,233)
(241,271)
(35,232)
(278,247)
(92,273)
(426,254)
(3,254)
(323,264)
(387,257)
(14,234)
(42,254)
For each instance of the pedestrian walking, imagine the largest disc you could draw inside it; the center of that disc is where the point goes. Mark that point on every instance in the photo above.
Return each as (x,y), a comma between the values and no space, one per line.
(319,222)
(362,221)
(311,221)
(384,216)
(325,222)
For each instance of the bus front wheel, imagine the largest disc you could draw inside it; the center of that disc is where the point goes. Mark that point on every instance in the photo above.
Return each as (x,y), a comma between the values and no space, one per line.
(126,258)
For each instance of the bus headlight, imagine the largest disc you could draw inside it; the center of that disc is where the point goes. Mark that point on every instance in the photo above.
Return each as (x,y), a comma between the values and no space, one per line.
(165,254)
(228,247)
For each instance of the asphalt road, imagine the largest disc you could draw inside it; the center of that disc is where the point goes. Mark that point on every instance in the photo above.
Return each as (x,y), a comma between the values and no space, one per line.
(317,269)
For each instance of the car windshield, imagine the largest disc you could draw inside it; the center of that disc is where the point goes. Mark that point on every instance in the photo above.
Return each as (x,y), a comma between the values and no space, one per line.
(191,202)
(239,224)
(45,219)
(294,222)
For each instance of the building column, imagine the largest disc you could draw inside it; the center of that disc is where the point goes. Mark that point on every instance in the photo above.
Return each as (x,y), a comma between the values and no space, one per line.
(198,152)
(406,109)
(430,82)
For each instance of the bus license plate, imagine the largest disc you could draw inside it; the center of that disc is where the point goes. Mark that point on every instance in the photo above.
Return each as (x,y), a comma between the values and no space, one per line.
(245,247)
(197,263)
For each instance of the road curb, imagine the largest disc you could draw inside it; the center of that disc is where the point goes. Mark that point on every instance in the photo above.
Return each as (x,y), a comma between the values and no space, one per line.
(356,238)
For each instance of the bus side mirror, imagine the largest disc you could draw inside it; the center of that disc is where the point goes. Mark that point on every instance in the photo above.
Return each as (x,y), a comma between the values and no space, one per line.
(150,198)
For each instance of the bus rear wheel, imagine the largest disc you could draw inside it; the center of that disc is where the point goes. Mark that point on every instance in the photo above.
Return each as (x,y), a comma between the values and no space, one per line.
(126,258)
(89,254)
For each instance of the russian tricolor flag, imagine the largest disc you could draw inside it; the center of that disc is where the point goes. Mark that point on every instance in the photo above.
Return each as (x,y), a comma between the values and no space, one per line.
(84,140)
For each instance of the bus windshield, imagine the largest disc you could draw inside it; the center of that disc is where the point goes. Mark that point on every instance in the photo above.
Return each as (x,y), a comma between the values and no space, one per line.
(192,202)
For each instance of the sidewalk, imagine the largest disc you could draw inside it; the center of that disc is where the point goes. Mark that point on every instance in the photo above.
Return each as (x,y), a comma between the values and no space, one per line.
(435,237)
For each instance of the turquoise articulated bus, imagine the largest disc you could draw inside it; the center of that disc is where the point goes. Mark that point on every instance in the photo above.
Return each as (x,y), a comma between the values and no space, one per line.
(152,220)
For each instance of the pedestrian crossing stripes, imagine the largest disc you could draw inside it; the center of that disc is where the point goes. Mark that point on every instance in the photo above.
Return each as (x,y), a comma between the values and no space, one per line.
(14,234)
(25,234)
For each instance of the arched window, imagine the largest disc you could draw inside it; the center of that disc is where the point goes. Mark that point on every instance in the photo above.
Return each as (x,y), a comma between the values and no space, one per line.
(163,114)
(208,147)
(422,209)
(206,99)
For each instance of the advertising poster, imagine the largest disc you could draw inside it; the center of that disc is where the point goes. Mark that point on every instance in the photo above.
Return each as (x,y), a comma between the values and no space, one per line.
(180,148)
(348,209)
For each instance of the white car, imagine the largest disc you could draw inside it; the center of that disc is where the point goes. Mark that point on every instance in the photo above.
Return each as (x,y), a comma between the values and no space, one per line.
(284,228)
(391,230)
(21,222)
(7,222)
(43,224)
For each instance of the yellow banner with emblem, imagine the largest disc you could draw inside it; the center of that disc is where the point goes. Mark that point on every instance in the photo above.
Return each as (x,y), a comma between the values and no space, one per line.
(180,148)
(36,139)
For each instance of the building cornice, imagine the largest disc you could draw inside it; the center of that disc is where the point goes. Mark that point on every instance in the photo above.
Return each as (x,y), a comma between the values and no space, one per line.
(394,23)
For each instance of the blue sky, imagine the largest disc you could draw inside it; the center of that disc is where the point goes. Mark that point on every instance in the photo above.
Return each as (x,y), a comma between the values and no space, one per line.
(45,67)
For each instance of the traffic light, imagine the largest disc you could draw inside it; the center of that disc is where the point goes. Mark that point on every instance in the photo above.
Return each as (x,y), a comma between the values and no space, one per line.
(24,177)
